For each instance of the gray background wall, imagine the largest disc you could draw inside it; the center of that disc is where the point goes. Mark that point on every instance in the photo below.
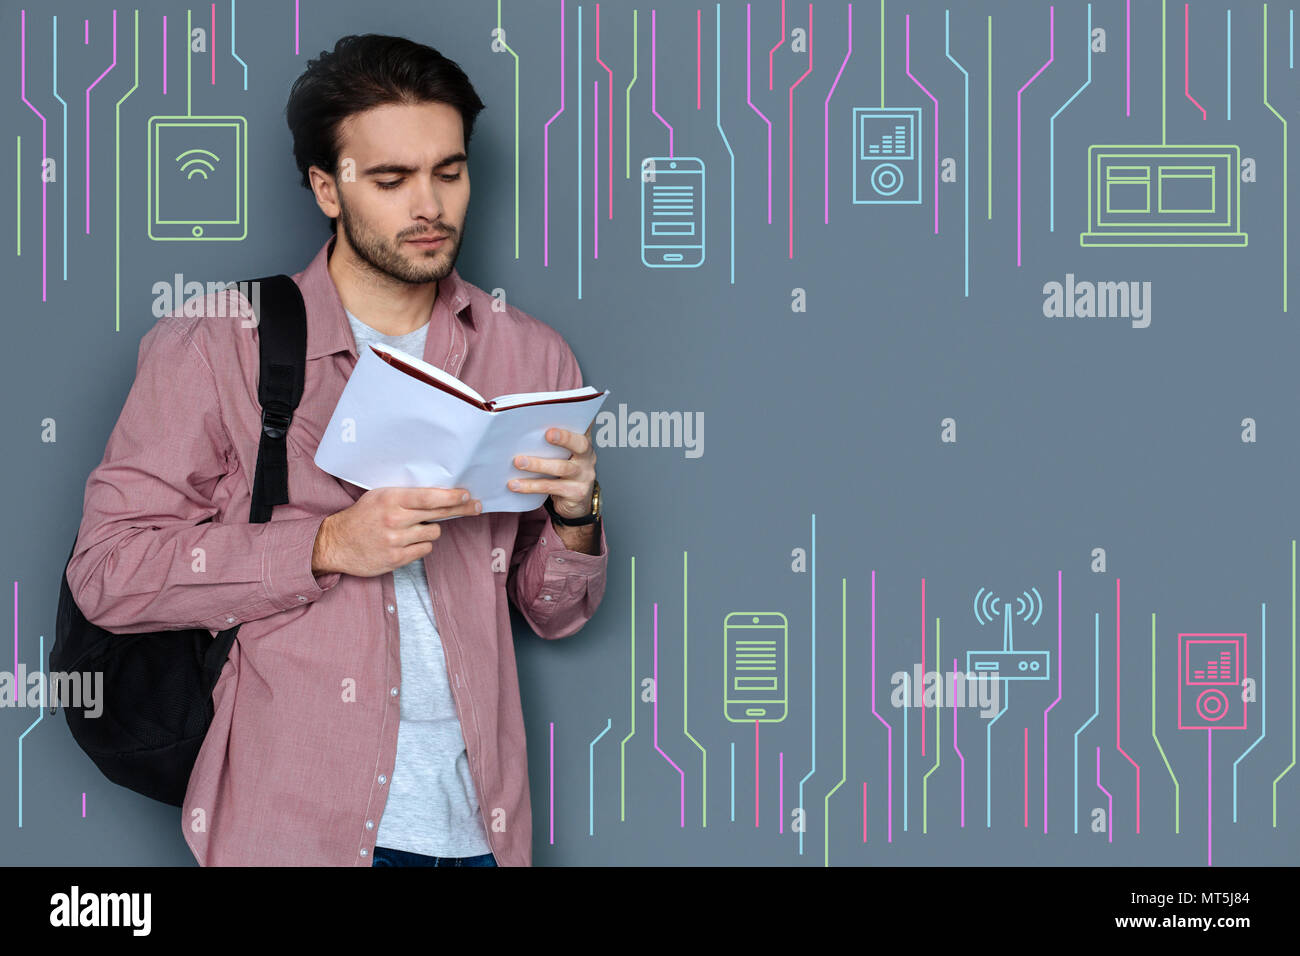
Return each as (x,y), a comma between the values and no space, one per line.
(1073,434)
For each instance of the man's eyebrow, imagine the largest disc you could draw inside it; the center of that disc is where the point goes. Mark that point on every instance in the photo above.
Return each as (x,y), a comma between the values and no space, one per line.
(383,168)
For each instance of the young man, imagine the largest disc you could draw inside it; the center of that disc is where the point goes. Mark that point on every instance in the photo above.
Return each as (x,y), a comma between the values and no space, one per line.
(369,713)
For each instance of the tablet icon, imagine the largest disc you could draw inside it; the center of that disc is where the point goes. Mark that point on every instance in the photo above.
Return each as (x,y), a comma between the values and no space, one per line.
(197,178)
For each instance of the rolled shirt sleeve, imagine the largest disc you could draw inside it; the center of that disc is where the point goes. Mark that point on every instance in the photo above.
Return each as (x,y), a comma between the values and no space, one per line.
(147,556)
(556,590)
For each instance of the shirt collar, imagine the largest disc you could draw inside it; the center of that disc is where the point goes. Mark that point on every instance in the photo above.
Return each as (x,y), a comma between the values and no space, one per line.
(329,331)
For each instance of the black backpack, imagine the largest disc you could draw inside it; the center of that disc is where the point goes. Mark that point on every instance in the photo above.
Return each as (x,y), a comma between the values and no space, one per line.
(157,690)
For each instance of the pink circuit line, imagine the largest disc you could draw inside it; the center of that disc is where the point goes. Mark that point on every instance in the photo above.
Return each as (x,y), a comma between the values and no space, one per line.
(1117,744)
(653,108)
(23,94)
(864,811)
(790,132)
(164,54)
(922,663)
(1051,56)
(16,625)
(1058,694)
(83,804)
(960,756)
(761,116)
(295,27)
(595,169)
(88,89)
(755,772)
(552,783)
(1186,79)
(826,129)
(546,156)
(907,62)
(609,202)
(212,44)
(1128,57)
(681,773)
(1110,803)
(775,47)
(889,730)
(1026,776)
(780,792)
(1209,796)
(697,59)
(86,27)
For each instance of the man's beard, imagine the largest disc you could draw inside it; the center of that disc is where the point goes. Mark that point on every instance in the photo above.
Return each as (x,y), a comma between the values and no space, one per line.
(382,257)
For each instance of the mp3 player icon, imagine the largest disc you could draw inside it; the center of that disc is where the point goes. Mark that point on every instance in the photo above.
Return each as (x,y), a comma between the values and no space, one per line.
(1211,668)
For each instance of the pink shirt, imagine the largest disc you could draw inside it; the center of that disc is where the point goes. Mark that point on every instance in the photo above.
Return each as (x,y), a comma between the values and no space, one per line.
(295,767)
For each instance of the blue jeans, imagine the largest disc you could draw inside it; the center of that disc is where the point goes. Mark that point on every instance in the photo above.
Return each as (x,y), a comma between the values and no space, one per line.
(386,857)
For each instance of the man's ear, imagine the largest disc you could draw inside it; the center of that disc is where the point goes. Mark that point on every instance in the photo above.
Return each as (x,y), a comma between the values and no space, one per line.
(325,188)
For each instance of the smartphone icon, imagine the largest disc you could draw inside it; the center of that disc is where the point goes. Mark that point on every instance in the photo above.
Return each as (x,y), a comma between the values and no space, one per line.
(757,651)
(672,212)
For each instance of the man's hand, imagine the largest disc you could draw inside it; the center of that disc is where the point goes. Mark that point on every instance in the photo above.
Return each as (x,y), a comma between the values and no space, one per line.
(570,489)
(385,529)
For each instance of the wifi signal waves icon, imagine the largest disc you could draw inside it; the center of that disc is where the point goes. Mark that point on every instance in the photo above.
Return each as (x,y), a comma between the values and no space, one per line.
(1029,606)
(198,164)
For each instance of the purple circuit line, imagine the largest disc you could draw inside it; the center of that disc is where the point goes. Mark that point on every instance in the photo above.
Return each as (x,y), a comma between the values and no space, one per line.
(960,755)
(907,65)
(552,783)
(83,804)
(1058,694)
(1110,803)
(15,627)
(826,129)
(295,27)
(775,46)
(44,184)
(595,169)
(110,69)
(653,109)
(780,792)
(790,135)
(212,44)
(609,202)
(164,54)
(889,731)
(86,27)
(1051,32)
(1128,57)
(761,116)
(1209,796)
(679,770)
(546,156)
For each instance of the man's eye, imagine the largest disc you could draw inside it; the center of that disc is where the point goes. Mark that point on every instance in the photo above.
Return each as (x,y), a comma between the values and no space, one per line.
(392,184)
(451,177)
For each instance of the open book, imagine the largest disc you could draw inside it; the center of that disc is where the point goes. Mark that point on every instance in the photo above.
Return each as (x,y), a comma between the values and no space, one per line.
(404,423)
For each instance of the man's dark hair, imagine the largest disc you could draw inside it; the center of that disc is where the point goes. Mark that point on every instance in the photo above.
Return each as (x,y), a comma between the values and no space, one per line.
(361,73)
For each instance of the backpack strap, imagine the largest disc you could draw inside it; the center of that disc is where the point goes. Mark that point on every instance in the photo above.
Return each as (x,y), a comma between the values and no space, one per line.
(282,338)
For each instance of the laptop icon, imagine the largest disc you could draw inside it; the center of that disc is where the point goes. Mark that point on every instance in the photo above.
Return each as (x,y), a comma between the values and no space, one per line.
(1163,196)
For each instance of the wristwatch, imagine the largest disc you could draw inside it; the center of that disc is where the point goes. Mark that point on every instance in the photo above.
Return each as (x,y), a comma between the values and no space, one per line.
(585,519)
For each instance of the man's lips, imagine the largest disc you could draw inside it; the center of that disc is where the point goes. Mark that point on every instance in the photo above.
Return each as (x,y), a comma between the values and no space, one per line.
(430,241)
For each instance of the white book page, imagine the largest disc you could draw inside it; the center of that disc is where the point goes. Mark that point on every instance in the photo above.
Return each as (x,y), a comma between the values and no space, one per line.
(523,398)
(432,370)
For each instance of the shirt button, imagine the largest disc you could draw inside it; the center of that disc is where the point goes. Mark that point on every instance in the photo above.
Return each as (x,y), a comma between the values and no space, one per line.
(364,851)
(561,560)
(301,598)
(230,620)
(543,541)
(391,609)
(383,779)
(546,597)
(393,692)
(370,824)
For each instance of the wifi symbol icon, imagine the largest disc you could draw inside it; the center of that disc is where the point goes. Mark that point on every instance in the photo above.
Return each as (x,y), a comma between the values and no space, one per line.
(198,164)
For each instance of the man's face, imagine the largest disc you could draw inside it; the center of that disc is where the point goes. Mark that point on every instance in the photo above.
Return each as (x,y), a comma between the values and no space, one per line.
(411,183)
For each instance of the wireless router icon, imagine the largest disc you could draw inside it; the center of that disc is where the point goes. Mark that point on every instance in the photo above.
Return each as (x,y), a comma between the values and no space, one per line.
(1008,663)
